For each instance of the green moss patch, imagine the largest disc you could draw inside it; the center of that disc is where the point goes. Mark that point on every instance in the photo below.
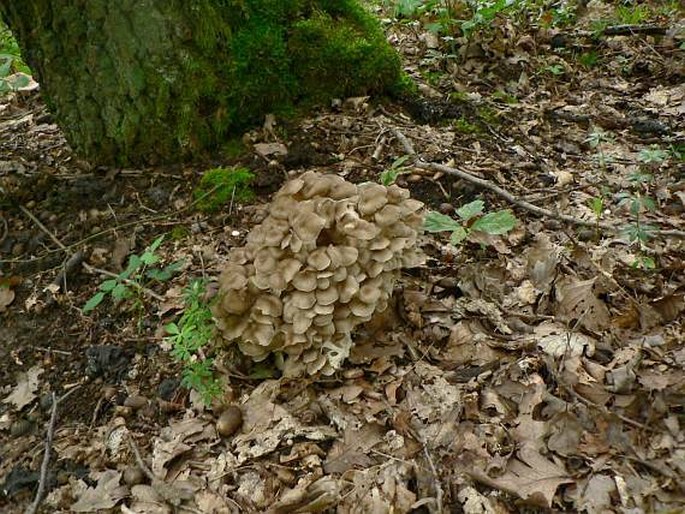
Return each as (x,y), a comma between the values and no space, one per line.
(221,186)
(177,80)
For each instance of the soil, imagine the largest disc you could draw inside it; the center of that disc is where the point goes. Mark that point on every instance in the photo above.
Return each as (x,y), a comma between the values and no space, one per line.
(542,369)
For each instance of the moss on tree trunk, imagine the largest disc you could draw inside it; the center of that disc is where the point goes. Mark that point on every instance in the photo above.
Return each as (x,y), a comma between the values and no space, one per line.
(148,81)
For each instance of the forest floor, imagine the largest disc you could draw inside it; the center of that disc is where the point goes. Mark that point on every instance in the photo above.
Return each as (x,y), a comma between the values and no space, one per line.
(538,370)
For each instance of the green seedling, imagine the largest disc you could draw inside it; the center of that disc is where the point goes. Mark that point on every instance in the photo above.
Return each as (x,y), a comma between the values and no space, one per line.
(465,126)
(222,186)
(14,73)
(633,14)
(555,69)
(133,280)
(505,97)
(653,155)
(471,219)
(589,59)
(484,13)
(389,176)
(597,139)
(639,202)
(596,203)
(677,150)
(190,337)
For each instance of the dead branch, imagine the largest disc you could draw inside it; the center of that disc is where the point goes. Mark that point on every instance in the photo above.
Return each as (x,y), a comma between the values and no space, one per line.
(625,30)
(73,263)
(33,508)
(418,162)
(5,229)
(139,459)
(78,258)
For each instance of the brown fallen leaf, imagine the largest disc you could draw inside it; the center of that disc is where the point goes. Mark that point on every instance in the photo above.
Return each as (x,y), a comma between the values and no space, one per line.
(25,390)
(576,300)
(105,495)
(6,298)
(530,476)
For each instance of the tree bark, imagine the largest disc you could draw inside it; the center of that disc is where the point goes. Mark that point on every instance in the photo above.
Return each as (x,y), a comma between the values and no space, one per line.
(136,82)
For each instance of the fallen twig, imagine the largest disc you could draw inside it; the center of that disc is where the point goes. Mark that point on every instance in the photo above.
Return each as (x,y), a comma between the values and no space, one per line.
(33,508)
(5,229)
(624,30)
(139,459)
(72,264)
(509,197)
(78,257)
(145,221)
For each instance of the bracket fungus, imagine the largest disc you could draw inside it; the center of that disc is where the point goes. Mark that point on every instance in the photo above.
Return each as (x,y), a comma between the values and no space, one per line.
(323,261)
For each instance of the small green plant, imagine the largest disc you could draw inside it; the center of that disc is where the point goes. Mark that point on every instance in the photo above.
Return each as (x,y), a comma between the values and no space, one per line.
(638,201)
(484,13)
(179,232)
(133,281)
(465,126)
(234,148)
(471,219)
(598,27)
(677,150)
(597,140)
(555,70)
(221,186)
(559,15)
(488,115)
(653,155)
(633,14)
(190,338)
(396,169)
(589,59)
(408,8)
(14,73)
(505,97)
(596,204)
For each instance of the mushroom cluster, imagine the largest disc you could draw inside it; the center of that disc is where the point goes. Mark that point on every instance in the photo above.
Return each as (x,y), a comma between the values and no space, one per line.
(324,260)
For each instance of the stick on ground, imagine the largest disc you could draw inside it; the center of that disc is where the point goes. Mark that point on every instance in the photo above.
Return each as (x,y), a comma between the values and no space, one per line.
(33,508)
(486,184)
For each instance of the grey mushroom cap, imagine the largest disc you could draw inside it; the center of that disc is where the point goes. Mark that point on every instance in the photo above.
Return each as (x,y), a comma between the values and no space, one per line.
(319,259)
(305,281)
(289,268)
(323,260)
(369,292)
(371,198)
(360,229)
(362,310)
(308,225)
(301,300)
(388,215)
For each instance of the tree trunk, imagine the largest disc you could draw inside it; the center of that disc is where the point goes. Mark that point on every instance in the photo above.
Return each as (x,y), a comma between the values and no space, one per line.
(149,81)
